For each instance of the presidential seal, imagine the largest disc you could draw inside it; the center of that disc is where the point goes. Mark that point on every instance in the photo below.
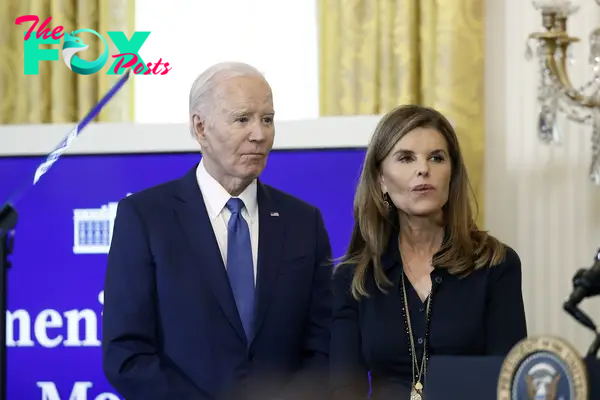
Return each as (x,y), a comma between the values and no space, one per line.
(543,368)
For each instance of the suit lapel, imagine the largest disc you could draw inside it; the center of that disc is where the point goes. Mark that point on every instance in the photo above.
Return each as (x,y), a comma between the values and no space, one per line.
(270,245)
(194,219)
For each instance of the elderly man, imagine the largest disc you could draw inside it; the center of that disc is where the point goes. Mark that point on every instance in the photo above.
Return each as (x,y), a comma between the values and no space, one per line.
(217,285)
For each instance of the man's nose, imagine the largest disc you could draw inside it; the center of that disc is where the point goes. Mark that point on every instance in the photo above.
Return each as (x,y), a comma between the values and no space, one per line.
(259,131)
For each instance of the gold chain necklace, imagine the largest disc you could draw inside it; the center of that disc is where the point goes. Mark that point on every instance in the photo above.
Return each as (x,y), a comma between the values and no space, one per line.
(417,386)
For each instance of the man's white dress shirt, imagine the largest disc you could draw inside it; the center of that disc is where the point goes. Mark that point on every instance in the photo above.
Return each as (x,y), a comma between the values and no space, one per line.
(215,199)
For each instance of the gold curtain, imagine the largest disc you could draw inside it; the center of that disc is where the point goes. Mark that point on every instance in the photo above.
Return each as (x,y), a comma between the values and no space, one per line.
(377,54)
(57,94)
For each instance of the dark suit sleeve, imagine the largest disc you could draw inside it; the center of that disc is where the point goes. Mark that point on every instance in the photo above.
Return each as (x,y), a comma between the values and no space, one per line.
(348,371)
(311,381)
(131,361)
(505,323)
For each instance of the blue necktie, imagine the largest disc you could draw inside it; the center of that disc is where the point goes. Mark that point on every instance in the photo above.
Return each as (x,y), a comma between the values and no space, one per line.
(240,265)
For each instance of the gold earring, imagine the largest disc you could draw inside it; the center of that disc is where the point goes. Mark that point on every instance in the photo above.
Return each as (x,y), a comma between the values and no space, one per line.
(385,199)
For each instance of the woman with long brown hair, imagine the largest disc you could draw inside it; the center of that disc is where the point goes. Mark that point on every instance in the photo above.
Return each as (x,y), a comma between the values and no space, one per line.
(419,278)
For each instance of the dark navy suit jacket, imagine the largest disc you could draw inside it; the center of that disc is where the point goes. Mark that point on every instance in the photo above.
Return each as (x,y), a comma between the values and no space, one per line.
(171,330)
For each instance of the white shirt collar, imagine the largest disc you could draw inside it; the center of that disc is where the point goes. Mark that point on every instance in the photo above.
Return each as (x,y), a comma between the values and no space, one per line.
(216,197)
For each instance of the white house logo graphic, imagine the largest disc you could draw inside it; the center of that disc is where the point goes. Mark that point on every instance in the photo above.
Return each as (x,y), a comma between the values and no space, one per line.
(93,228)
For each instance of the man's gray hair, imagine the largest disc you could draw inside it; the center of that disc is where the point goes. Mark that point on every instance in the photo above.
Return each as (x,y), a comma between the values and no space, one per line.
(201,93)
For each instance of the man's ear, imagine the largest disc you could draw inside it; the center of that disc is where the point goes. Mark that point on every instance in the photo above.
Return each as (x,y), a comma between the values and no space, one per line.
(199,130)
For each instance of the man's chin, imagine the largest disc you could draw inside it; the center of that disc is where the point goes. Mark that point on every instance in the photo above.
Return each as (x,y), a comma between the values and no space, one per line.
(251,172)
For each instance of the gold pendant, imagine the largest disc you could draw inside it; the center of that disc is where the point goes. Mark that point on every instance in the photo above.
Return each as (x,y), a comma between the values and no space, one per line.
(415,395)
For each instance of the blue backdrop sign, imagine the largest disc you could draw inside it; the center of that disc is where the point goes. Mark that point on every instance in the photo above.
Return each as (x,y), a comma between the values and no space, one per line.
(55,293)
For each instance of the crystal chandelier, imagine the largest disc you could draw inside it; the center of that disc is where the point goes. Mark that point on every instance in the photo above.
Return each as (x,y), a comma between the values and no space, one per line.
(556,93)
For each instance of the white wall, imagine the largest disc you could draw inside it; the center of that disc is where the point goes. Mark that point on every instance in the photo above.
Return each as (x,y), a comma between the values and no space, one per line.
(278,37)
(318,133)
(538,198)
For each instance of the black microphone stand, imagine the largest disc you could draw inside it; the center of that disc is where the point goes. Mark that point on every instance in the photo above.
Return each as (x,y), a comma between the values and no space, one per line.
(580,292)
(594,348)
(8,222)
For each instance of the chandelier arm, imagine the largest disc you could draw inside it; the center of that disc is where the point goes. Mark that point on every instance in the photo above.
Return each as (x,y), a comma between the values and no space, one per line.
(556,42)
(556,93)
(558,69)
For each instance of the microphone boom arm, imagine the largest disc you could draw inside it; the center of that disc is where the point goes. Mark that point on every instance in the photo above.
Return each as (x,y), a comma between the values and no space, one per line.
(585,285)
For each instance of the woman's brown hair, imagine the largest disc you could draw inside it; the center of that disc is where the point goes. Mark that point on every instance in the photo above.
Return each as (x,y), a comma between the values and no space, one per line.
(466,249)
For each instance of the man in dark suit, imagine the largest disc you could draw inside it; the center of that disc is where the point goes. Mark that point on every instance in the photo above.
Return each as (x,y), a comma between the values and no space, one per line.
(217,285)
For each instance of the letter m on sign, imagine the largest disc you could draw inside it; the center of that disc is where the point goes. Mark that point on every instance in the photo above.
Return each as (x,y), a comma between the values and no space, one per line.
(50,392)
